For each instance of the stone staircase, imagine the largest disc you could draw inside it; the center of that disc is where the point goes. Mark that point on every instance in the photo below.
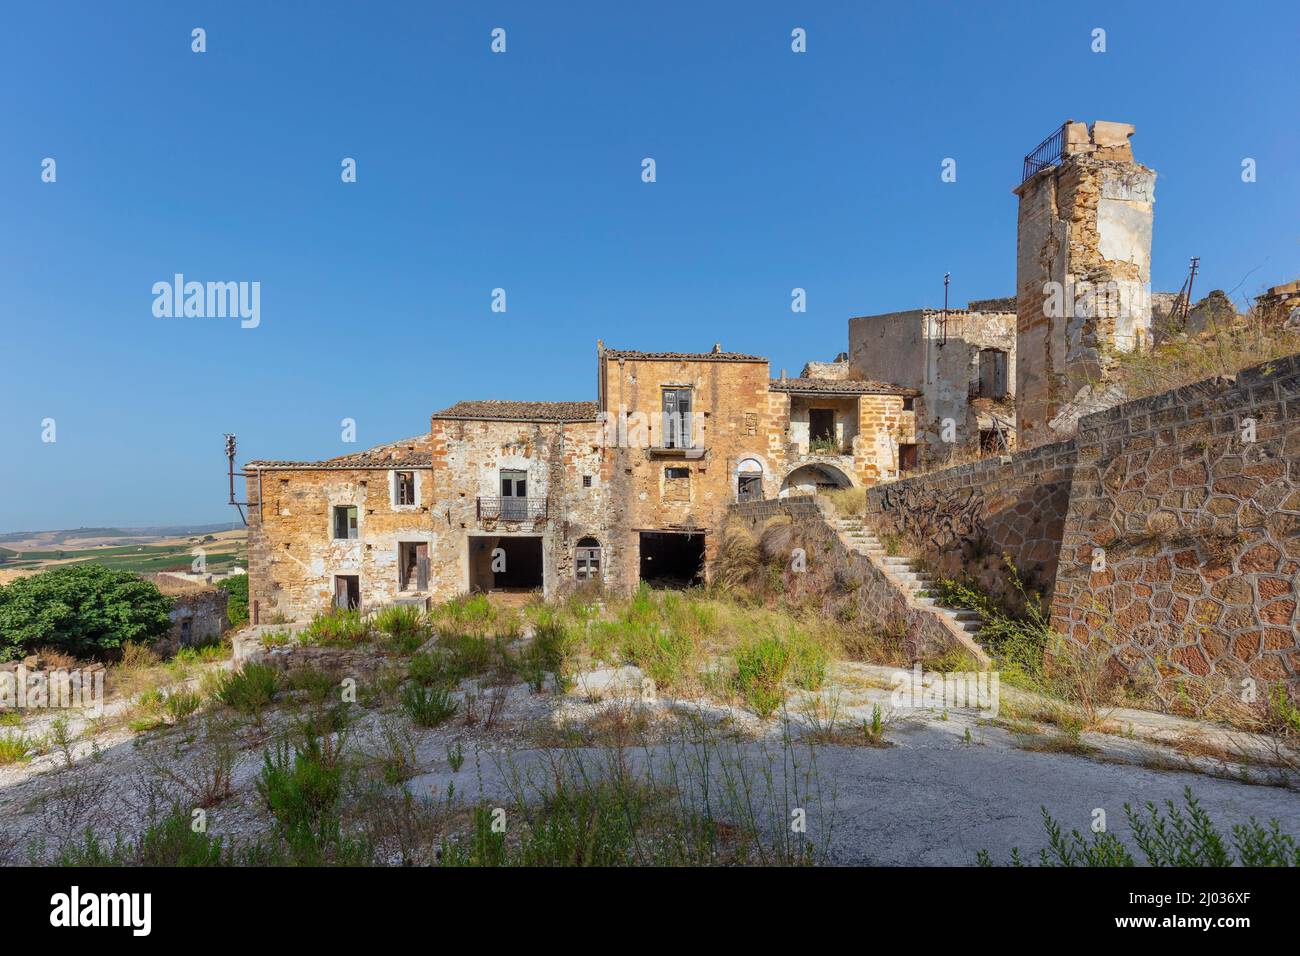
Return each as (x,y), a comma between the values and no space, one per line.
(905,573)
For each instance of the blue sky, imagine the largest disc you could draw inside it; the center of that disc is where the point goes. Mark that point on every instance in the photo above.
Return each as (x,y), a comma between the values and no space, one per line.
(522,171)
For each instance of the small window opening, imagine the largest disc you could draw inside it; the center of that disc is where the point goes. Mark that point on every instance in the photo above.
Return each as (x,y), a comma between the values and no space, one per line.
(406,487)
(345,521)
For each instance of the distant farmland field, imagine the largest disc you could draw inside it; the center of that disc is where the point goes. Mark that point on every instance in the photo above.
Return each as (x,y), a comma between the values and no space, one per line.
(220,553)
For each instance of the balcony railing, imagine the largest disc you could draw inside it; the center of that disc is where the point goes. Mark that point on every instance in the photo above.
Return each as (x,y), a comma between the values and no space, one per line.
(510,509)
(1047,153)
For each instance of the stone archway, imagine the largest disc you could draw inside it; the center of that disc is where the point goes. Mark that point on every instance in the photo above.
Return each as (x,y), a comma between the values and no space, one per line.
(812,477)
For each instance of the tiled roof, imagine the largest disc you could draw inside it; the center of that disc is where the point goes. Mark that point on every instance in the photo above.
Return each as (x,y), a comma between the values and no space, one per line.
(497,411)
(682,356)
(830,386)
(406,453)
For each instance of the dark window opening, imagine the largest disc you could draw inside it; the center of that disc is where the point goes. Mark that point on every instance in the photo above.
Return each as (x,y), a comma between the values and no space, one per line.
(672,559)
(413,566)
(993,373)
(749,488)
(821,429)
(406,487)
(908,458)
(677,473)
(586,481)
(347,592)
(909,403)
(345,521)
(586,565)
(186,626)
(677,418)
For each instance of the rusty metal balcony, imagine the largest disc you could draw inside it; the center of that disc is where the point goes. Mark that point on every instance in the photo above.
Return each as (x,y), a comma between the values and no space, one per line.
(510,509)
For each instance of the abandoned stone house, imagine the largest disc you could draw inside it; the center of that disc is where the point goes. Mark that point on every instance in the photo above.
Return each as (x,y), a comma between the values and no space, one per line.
(523,496)
(633,486)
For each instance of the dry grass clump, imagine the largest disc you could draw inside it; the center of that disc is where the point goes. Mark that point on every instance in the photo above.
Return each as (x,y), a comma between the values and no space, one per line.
(848,502)
(1221,350)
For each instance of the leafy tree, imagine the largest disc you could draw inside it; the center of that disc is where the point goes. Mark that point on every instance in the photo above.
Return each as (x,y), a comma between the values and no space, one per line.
(83,610)
(237,607)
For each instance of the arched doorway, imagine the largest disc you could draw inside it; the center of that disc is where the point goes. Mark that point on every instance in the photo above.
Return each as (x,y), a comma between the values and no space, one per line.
(811,478)
(749,480)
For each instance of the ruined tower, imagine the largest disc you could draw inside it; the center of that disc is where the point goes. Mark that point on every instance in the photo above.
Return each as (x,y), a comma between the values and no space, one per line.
(1083,272)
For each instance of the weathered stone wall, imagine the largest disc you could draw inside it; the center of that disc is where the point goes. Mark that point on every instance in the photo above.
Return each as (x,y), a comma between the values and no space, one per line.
(1083,274)
(198,614)
(883,424)
(1199,531)
(961,521)
(293,555)
(734,421)
(911,349)
(468,457)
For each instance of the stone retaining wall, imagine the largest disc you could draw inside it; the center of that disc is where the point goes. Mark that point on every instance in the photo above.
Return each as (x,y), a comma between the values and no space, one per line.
(1182,543)
(961,521)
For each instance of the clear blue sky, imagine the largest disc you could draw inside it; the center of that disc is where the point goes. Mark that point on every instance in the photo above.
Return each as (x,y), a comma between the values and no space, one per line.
(522,171)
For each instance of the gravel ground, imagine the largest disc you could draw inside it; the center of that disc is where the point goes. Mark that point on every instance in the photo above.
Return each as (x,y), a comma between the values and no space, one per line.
(950,783)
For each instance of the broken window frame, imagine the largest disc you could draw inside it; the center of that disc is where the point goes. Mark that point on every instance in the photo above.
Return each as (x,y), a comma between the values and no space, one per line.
(677,473)
(349,524)
(586,560)
(404,489)
(513,484)
(677,403)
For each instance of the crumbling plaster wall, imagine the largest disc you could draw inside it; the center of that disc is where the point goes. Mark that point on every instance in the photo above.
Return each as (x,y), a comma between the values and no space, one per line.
(468,457)
(1083,274)
(734,420)
(293,555)
(903,348)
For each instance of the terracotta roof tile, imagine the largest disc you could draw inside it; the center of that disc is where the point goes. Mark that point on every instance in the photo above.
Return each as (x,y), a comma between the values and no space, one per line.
(500,411)
(830,386)
(682,356)
(407,453)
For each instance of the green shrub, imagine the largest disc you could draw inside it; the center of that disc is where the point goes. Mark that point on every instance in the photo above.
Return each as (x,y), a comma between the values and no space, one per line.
(180,704)
(428,706)
(15,748)
(430,669)
(765,665)
(1170,837)
(337,628)
(83,610)
(301,787)
(170,842)
(237,602)
(248,689)
(403,625)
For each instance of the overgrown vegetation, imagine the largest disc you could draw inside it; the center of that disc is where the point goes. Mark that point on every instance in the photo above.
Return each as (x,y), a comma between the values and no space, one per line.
(1170,837)
(86,611)
(237,603)
(1220,350)
(1028,653)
